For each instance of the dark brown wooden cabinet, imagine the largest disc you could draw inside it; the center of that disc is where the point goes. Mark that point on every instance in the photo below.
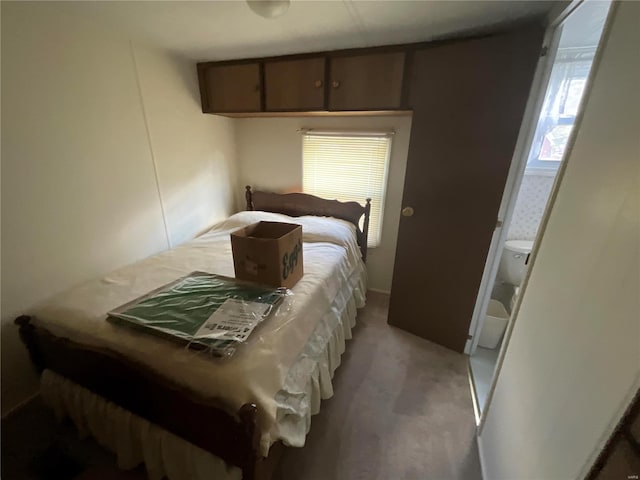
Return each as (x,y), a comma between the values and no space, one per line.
(356,81)
(295,85)
(366,82)
(231,88)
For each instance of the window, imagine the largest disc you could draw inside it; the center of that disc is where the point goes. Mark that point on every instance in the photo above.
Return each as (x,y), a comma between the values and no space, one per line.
(566,87)
(348,167)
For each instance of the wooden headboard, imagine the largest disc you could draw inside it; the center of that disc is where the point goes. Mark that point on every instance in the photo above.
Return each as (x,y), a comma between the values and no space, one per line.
(300,204)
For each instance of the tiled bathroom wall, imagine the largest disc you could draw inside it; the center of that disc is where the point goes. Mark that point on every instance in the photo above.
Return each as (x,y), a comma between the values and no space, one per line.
(532,199)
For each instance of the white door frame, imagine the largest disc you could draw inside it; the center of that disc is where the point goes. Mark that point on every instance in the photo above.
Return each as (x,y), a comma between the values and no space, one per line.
(516,173)
(559,21)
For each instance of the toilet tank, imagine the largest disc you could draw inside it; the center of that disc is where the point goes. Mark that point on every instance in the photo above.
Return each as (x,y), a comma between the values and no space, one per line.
(512,267)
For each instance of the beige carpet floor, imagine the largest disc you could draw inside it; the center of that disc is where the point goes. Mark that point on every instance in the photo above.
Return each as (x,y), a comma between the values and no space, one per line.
(401,410)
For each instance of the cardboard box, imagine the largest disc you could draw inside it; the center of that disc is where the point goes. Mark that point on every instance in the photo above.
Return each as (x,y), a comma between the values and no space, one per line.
(269,253)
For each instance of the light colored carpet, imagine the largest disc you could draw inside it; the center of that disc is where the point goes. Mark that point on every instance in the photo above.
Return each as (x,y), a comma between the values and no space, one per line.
(401,410)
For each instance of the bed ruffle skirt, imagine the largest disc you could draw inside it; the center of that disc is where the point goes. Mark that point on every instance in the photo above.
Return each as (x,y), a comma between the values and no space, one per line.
(135,440)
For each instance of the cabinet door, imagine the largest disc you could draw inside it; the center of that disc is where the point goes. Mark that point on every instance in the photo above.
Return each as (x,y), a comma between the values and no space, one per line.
(294,85)
(233,88)
(367,82)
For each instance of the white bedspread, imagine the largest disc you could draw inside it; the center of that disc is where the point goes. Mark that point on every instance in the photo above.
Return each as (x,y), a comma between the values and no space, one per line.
(258,372)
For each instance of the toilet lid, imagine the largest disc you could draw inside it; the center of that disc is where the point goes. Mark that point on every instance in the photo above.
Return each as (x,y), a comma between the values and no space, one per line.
(519,246)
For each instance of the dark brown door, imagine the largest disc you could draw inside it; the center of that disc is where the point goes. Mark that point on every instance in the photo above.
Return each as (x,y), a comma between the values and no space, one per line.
(233,88)
(294,85)
(366,82)
(468,99)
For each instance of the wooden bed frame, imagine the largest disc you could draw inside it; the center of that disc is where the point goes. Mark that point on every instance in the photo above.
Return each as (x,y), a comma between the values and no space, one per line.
(232,436)
(300,204)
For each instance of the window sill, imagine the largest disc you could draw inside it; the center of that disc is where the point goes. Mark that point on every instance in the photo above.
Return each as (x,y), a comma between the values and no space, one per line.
(541,172)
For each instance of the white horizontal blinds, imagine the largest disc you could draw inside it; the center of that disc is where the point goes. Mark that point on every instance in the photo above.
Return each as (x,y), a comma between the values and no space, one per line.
(348,167)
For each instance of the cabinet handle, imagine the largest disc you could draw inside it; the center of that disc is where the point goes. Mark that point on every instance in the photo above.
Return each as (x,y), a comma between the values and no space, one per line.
(335,84)
(318,83)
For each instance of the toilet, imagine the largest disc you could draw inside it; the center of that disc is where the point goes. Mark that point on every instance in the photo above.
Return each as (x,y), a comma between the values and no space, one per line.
(512,267)
(510,272)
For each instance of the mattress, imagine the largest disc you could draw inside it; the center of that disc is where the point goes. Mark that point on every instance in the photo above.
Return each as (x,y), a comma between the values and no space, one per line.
(276,367)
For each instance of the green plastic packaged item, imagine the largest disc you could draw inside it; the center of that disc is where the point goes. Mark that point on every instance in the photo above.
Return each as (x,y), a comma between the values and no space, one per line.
(203,311)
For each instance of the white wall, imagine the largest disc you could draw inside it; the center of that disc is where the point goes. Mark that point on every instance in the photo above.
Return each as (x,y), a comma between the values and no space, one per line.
(195,153)
(573,360)
(270,157)
(86,113)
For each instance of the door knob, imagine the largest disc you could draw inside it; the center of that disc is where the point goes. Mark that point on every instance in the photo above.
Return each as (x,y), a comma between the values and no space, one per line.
(407,212)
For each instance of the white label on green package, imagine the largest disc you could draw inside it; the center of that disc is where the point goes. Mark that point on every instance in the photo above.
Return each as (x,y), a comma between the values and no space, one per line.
(233,320)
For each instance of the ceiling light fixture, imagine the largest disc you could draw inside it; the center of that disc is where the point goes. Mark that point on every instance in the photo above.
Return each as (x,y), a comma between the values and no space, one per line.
(269,8)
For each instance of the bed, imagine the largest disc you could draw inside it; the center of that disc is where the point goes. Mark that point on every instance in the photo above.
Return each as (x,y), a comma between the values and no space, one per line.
(147,398)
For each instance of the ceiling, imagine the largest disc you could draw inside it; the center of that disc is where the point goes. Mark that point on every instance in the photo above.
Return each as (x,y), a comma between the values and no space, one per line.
(218,30)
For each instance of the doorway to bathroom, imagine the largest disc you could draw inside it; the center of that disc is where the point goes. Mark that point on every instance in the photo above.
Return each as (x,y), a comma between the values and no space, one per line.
(557,95)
